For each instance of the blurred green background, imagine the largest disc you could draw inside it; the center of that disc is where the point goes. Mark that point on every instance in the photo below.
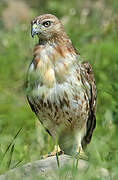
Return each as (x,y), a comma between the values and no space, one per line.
(92,25)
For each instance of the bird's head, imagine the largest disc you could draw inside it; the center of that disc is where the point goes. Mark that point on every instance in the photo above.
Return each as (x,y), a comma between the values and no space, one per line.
(46,26)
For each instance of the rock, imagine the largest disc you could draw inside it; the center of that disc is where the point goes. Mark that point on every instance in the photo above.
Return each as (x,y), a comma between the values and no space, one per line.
(104,174)
(47,169)
(43,168)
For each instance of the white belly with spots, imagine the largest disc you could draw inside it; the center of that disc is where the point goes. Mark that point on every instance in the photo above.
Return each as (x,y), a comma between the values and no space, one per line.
(62,109)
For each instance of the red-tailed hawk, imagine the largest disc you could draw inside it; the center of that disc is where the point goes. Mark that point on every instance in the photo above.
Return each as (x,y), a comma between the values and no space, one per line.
(60,89)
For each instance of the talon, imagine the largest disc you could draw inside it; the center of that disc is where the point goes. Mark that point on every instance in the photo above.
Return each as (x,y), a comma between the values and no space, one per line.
(81,155)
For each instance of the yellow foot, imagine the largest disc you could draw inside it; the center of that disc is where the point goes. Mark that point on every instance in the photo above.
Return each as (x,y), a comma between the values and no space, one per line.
(81,155)
(53,153)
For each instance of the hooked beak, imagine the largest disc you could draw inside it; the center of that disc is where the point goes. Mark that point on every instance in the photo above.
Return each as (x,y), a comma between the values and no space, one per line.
(34,30)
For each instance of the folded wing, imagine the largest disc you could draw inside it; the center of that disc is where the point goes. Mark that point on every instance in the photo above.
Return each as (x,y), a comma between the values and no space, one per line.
(87,75)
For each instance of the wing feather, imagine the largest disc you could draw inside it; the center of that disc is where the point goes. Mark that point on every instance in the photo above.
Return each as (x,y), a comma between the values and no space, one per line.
(87,74)
(35,110)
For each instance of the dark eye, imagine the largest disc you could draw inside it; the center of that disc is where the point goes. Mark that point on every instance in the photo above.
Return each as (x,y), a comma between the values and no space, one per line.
(46,23)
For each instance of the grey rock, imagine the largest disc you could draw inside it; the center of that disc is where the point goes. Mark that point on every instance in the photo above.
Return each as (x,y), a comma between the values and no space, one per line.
(48,169)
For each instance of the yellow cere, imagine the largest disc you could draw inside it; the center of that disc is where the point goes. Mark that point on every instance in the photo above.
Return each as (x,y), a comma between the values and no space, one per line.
(34,26)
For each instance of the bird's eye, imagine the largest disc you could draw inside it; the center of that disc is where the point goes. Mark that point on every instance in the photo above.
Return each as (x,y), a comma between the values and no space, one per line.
(46,23)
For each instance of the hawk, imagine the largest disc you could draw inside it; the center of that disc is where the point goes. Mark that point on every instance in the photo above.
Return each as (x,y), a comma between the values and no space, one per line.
(60,88)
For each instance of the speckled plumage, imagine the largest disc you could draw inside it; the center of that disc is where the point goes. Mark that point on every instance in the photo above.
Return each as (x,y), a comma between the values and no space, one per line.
(60,89)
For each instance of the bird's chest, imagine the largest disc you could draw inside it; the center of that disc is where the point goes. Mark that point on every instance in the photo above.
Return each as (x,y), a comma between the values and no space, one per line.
(63,107)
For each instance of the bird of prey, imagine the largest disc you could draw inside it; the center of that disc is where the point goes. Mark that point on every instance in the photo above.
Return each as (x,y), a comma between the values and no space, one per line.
(60,88)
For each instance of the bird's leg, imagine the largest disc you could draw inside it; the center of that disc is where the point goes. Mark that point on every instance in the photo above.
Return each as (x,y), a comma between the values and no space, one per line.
(79,150)
(80,154)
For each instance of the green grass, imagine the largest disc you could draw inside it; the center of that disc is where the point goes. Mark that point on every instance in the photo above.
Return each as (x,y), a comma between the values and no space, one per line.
(95,36)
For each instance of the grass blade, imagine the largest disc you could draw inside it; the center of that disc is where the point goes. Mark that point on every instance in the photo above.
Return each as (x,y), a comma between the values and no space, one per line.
(17,164)
(8,147)
(11,155)
(57,158)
